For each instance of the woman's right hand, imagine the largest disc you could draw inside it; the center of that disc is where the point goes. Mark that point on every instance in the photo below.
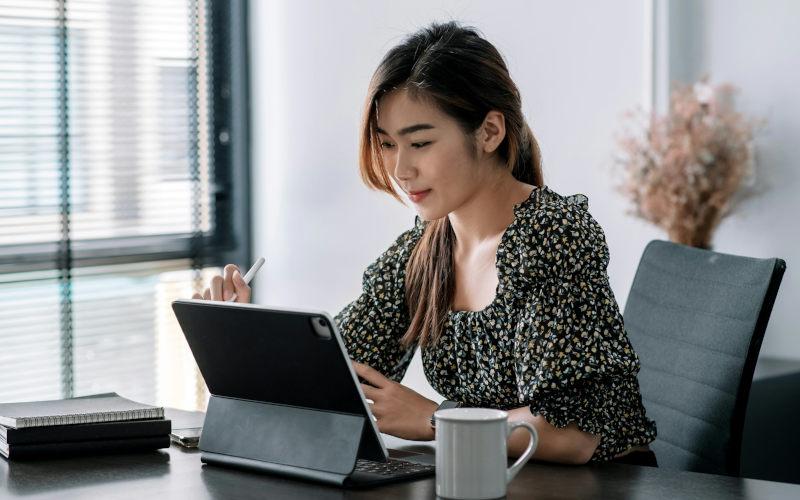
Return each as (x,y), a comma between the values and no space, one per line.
(223,287)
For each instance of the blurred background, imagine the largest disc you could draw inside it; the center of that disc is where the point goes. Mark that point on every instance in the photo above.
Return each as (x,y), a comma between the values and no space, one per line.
(579,66)
(144,144)
(120,174)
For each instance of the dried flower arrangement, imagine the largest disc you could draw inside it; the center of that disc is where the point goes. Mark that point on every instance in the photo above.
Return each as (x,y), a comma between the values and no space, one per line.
(682,171)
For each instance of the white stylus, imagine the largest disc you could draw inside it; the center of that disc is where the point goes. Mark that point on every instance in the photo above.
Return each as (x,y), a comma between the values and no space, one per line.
(249,275)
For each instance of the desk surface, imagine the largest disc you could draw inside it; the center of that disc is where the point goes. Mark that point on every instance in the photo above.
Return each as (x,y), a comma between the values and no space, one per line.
(179,474)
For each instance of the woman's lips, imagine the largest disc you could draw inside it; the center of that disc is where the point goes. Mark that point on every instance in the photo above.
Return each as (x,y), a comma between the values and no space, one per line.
(418,196)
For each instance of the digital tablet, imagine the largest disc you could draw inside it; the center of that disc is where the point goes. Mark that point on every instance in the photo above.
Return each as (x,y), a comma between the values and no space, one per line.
(293,357)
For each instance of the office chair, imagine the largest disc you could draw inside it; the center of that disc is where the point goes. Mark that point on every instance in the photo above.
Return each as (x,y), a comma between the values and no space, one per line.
(696,318)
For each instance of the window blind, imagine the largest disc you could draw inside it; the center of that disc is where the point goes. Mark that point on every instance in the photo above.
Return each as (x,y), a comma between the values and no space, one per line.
(111,204)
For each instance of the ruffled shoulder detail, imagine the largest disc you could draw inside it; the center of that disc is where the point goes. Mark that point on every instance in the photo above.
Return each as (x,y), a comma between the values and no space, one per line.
(386,275)
(373,324)
(551,236)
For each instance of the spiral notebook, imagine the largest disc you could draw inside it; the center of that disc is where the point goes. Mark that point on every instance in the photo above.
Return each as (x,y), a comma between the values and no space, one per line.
(106,408)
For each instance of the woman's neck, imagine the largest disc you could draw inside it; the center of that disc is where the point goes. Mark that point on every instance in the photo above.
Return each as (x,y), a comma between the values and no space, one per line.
(489,212)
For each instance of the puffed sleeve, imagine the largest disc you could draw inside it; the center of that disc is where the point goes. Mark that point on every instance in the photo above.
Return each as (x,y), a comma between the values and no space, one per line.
(573,360)
(373,324)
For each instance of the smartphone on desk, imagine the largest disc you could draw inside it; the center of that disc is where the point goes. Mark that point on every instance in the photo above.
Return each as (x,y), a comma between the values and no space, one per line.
(188,438)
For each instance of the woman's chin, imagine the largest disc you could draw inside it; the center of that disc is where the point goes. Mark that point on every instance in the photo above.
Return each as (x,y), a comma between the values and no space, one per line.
(428,215)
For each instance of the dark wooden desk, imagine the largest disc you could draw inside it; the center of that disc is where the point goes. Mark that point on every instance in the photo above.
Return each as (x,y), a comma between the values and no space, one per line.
(179,474)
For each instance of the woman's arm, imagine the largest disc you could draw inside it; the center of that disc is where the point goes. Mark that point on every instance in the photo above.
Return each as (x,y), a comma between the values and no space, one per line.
(373,324)
(403,413)
(568,445)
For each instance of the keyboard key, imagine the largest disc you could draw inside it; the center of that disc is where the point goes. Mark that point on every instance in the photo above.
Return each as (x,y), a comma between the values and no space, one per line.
(392,467)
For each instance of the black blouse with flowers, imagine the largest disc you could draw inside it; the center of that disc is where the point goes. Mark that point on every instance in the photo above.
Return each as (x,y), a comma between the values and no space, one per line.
(552,339)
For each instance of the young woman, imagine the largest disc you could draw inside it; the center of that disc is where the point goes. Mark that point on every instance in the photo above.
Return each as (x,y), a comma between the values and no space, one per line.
(501,282)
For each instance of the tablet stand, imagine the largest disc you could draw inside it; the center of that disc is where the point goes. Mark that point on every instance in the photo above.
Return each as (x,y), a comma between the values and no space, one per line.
(266,437)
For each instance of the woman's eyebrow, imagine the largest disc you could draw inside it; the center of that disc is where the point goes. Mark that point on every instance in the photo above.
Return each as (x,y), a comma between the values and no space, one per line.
(408,130)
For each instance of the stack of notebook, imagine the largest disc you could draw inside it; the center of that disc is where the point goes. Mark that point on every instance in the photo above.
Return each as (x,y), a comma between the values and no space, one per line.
(94,424)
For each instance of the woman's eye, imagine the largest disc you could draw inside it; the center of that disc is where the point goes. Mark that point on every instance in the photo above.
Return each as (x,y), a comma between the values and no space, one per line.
(415,145)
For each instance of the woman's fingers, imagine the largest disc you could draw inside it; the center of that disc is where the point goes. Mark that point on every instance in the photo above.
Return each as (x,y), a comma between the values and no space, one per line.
(228,287)
(370,374)
(242,289)
(373,394)
(369,391)
(216,288)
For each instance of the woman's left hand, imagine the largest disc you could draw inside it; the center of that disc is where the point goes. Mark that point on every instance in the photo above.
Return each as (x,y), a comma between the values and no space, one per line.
(400,411)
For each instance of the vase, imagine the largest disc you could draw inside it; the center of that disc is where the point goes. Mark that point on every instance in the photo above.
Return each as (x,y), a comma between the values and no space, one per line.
(689,237)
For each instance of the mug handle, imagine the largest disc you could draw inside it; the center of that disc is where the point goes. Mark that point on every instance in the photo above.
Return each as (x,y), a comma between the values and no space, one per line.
(523,459)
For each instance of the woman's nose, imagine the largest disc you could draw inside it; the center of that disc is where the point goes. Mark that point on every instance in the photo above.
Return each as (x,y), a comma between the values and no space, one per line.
(403,169)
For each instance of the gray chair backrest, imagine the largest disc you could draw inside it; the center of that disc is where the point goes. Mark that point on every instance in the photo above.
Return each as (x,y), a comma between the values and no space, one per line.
(696,319)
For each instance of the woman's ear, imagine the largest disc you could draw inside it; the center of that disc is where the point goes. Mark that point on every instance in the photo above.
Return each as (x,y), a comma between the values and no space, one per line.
(492,133)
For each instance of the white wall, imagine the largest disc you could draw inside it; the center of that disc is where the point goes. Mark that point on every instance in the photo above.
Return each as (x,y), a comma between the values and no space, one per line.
(756,46)
(753,45)
(579,65)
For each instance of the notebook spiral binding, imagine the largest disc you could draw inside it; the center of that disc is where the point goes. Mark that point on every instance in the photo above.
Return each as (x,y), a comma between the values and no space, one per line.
(91,418)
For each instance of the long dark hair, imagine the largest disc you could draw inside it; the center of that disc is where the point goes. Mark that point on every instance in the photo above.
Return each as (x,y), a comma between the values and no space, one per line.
(456,69)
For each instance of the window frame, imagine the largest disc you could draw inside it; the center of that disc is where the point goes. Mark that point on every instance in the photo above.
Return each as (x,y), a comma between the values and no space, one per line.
(230,240)
(230,237)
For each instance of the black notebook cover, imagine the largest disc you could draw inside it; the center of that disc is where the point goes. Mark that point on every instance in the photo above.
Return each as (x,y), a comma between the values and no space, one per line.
(86,432)
(48,450)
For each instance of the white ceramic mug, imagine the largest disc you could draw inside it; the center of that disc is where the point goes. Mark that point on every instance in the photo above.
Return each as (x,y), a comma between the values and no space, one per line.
(471,455)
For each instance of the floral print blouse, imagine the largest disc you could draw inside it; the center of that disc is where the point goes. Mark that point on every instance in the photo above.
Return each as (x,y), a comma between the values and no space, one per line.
(552,339)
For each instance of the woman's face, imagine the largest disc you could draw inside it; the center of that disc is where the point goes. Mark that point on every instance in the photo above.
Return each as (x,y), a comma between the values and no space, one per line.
(427,154)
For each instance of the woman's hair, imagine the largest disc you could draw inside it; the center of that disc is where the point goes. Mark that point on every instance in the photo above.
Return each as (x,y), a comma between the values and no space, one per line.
(454,68)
